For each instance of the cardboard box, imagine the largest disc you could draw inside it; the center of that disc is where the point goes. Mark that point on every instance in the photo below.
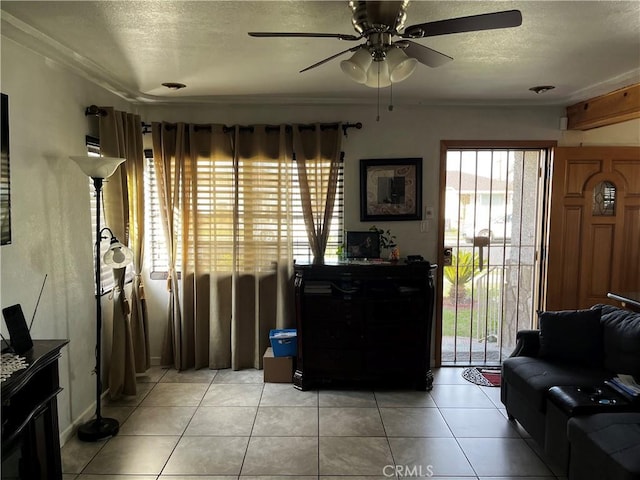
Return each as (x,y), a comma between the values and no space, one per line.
(277,369)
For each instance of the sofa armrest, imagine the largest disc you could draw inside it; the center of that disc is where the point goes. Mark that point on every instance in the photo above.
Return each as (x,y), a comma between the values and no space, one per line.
(527,343)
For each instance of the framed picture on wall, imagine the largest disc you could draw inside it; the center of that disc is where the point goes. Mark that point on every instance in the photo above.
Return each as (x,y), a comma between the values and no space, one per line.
(5,184)
(390,189)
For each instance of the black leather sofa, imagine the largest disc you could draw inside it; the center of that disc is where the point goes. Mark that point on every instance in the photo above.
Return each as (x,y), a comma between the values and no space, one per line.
(605,446)
(574,349)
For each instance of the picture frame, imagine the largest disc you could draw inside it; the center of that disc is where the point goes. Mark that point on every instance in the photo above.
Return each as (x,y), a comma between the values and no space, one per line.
(362,245)
(390,189)
(5,183)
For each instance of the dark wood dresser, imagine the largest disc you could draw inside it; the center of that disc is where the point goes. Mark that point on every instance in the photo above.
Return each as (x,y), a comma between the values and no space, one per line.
(30,434)
(366,324)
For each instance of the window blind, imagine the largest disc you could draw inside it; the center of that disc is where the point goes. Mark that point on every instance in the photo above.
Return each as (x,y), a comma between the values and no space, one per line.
(257,193)
(106,274)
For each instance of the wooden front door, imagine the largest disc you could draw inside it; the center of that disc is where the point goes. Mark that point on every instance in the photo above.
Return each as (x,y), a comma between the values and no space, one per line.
(594,231)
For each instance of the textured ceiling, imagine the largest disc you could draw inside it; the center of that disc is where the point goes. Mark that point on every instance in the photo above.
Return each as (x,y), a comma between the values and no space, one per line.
(131,47)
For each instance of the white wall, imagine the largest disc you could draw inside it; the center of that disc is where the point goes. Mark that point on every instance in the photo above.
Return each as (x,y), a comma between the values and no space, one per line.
(51,224)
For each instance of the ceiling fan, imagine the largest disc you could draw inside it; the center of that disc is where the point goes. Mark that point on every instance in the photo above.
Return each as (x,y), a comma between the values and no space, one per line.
(382,60)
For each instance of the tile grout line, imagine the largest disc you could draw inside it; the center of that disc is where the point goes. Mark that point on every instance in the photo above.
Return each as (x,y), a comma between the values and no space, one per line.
(135,407)
(181,436)
(253,424)
(384,429)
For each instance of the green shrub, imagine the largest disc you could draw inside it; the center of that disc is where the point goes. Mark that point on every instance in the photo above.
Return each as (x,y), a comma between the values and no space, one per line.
(464,265)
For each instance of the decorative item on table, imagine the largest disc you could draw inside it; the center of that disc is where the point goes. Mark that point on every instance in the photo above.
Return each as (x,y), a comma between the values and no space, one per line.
(363,245)
(11,363)
(388,242)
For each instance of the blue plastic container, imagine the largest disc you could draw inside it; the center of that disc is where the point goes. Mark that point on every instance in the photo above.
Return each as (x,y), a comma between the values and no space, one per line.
(284,342)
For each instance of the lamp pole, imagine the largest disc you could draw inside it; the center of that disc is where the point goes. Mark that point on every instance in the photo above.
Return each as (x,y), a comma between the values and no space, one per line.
(100,427)
(99,168)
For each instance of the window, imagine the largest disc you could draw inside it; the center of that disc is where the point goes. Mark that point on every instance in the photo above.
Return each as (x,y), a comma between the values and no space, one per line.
(106,274)
(604,199)
(216,196)
(157,256)
(301,250)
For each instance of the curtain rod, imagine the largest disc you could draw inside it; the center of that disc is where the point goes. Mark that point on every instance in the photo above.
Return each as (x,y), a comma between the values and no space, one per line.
(146,127)
(148,152)
(94,110)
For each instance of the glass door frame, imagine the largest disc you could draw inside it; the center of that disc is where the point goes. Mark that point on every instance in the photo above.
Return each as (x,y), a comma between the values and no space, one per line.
(446,145)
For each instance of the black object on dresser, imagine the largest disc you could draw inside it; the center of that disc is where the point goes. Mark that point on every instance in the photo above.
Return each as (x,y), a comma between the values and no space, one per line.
(30,434)
(365,324)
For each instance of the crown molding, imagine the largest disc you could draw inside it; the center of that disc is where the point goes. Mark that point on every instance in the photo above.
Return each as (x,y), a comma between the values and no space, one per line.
(36,41)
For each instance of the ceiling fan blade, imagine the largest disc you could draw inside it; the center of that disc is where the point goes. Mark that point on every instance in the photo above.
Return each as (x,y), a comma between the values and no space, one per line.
(353,49)
(311,35)
(473,23)
(426,55)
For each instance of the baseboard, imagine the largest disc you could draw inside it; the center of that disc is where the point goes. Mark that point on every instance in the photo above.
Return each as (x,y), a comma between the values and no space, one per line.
(88,414)
(84,417)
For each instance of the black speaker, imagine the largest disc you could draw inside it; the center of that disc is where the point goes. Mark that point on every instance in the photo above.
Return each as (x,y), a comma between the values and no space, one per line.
(18,330)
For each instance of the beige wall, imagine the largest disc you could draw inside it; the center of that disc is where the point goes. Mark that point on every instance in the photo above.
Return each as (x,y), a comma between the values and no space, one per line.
(50,197)
(405,132)
(51,224)
(621,134)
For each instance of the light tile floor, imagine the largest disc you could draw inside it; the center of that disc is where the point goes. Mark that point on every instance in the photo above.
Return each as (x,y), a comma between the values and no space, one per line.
(207,424)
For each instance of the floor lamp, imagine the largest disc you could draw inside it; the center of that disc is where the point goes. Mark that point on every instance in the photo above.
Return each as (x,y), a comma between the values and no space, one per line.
(99,168)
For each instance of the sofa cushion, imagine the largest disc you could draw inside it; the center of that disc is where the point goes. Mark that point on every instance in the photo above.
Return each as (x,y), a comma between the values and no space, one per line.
(572,336)
(534,376)
(605,445)
(621,333)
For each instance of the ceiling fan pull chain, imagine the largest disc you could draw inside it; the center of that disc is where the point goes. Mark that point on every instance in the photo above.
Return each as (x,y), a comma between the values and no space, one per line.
(378,117)
(391,97)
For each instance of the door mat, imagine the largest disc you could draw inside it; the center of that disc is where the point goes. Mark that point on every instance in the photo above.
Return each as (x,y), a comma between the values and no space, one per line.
(483,376)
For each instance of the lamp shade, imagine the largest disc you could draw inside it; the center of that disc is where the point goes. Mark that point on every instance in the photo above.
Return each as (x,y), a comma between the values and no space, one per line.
(400,65)
(97,167)
(356,67)
(118,255)
(378,75)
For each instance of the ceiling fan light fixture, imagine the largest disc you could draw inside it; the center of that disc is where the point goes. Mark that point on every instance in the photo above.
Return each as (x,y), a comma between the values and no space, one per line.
(357,66)
(401,66)
(378,75)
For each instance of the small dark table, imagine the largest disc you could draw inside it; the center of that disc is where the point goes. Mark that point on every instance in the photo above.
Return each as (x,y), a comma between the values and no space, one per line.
(565,402)
(30,434)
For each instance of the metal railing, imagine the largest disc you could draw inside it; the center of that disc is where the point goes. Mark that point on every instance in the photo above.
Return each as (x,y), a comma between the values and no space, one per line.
(489,315)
